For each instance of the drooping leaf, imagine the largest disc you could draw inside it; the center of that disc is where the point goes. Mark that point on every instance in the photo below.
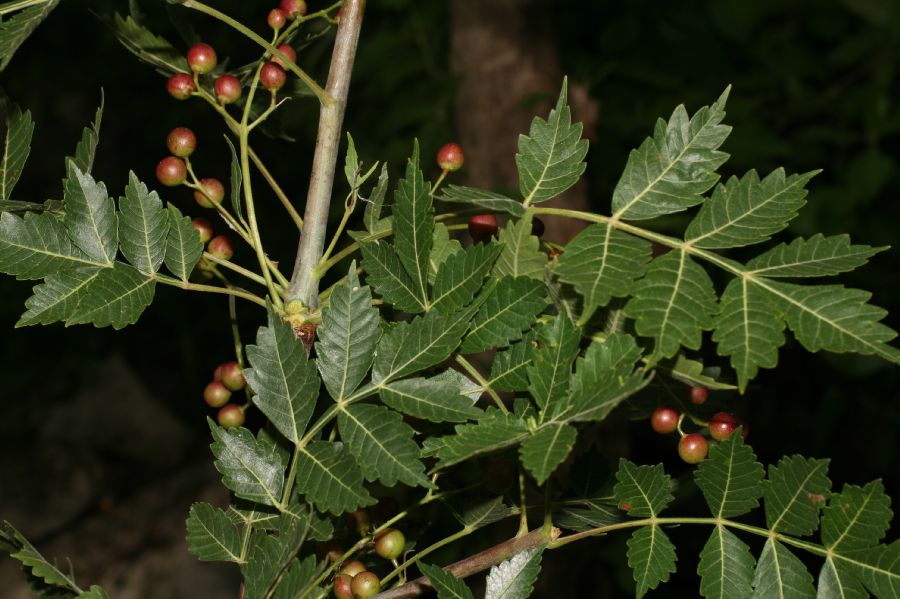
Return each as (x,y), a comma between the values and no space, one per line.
(818,256)
(521,255)
(551,157)
(372,213)
(796,489)
(495,202)
(651,557)
(143,226)
(386,275)
(147,46)
(16,29)
(414,225)
(602,263)
(116,297)
(86,149)
(780,574)
(671,170)
(18,128)
(430,399)
(856,518)
(347,337)
(90,218)
(509,310)
(351,163)
(460,276)
(546,449)
(514,578)
(492,432)
(183,245)
(56,299)
(35,245)
(284,379)
(647,489)
(730,478)
(444,583)
(748,210)
(248,468)
(37,568)
(236,181)
(329,477)
(551,361)
(694,374)
(382,444)
(726,566)
(211,535)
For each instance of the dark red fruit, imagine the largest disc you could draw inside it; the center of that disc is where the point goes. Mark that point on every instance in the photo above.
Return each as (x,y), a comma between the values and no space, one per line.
(450,157)
(204,228)
(537,227)
(201,58)
(699,395)
(180,86)
(181,141)
(231,416)
(228,89)
(365,585)
(220,247)
(342,586)
(216,395)
(233,376)
(171,171)
(693,448)
(272,77)
(213,193)
(664,420)
(276,18)
(288,51)
(353,568)
(390,544)
(719,430)
(482,227)
(293,8)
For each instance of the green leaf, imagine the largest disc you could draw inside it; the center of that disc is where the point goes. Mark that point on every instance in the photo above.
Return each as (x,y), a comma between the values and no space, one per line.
(647,489)
(86,149)
(347,336)
(460,276)
(594,515)
(18,128)
(351,163)
(444,583)
(94,592)
(372,213)
(674,303)
(856,518)
(521,255)
(780,574)
(730,478)
(143,226)
(90,218)
(409,347)
(485,513)
(16,29)
(514,578)
(509,368)
(148,47)
(837,581)
(36,567)
(211,535)
(430,399)
(116,297)
(651,557)
(494,431)
(746,211)
(183,245)
(414,226)
(329,477)
(386,275)
(551,361)
(796,489)
(602,263)
(247,465)
(692,373)
(56,299)
(295,578)
(818,256)
(236,181)
(283,377)
(546,449)
(383,444)
(551,156)
(509,309)
(879,569)
(726,567)
(36,245)
(672,170)
(495,202)
(269,558)
(442,247)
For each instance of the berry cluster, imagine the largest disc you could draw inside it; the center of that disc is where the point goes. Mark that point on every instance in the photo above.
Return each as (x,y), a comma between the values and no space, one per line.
(353,580)
(228,377)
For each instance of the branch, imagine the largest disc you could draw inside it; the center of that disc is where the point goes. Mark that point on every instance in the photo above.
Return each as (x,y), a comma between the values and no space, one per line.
(305,279)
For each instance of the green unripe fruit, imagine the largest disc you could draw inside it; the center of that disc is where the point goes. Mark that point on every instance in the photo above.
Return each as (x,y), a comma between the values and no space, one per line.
(365,585)
(231,416)
(216,395)
(233,376)
(212,192)
(171,171)
(353,568)
(390,544)
(181,141)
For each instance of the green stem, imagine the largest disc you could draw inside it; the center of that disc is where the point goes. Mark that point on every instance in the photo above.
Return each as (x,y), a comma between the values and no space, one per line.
(20,4)
(470,368)
(348,210)
(234,267)
(210,289)
(430,549)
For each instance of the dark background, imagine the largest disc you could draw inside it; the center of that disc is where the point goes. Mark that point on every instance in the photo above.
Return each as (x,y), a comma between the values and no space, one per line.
(814,86)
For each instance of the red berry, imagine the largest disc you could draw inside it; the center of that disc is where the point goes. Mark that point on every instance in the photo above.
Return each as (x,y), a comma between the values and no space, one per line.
(272,77)
(217,373)
(664,420)
(339,14)
(216,395)
(353,568)
(231,416)
(171,171)
(228,89)
(342,587)
(233,376)
(726,417)
(693,448)
(390,544)
(276,18)
(537,227)
(365,585)
(482,227)
(288,51)
(220,247)
(212,194)
(450,157)
(201,58)
(719,430)
(206,232)
(699,395)
(181,141)
(293,8)
(180,86)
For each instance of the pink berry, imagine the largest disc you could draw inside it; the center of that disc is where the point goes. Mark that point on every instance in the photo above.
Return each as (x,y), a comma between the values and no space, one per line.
(233,376)
(482,227)
(171,171)
(450,157)
(699,395)
(693,448)
(272,77)
(293,8)
(664,420)
(204,228)
(202,58)
(228,89)
(288,51)
(276,18)
(230,416)
(180,86)
(220,247)
(213,193)
(181,141)
(216,394)
(342,587)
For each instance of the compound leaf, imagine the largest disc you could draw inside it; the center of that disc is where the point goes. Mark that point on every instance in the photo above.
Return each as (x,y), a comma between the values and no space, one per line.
(329,477)
(211,535)
(796,489)
(521,255)
(248,466)
(90,218)
(183,245)
(143,226)
(818,256)
(546,449)
(116,297)
(509,309)
(780,574)
(414,226)
(18,128)
(730,478)
(651,557)
(726,567)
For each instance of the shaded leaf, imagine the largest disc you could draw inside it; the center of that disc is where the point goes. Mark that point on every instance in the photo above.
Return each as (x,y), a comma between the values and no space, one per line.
(546,449)
(509,309)
(444,583)
(18,128)
(726,567)
(521,255)
(16,29)
(651,557)
(147,46)
(372,213)
(495,202)
(779,574)
(414,225)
